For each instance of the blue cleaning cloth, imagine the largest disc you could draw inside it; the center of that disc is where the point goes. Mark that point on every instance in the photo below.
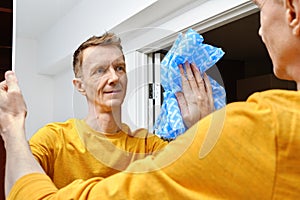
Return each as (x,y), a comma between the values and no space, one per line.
(188,47)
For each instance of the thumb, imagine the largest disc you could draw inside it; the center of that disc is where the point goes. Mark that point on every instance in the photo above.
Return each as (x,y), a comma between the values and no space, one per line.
(12,82)
(182,103)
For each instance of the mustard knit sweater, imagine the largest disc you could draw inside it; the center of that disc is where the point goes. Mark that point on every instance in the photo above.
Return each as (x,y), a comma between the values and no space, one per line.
(248,150)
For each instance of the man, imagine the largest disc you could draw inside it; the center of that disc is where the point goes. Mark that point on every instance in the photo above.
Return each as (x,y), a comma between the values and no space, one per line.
(100,145)
(256,156)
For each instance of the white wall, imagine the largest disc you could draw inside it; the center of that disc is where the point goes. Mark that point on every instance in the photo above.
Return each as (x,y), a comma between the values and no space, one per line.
(87,18)
(37,89)
(63,96)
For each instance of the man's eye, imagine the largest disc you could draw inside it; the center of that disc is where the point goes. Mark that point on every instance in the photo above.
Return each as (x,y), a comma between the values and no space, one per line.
(120,68)
(100,70)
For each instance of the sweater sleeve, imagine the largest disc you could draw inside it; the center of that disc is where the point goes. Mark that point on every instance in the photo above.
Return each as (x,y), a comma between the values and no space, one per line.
(32,186)
(42,145)
(39,186)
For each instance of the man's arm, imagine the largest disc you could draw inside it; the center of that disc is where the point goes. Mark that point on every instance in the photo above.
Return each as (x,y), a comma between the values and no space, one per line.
(12,128)
(239,166)
(232,168)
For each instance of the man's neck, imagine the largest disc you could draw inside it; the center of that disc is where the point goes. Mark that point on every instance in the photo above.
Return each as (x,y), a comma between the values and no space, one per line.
(107,122)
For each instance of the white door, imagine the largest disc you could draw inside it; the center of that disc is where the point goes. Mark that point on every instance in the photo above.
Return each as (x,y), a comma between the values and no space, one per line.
(155,89)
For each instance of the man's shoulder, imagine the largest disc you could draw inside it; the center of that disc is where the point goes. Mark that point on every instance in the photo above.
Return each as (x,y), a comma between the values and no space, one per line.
(61,125)
(55,129)
(276,97)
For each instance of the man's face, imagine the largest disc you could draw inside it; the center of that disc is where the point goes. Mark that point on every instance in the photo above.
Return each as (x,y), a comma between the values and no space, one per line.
(104,77)
(275,34)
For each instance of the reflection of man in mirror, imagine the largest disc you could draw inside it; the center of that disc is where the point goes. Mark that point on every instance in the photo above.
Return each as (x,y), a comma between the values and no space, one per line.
(100,145)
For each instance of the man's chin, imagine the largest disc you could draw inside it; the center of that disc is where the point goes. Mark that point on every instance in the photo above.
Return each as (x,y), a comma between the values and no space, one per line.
(115,103)
(282,74)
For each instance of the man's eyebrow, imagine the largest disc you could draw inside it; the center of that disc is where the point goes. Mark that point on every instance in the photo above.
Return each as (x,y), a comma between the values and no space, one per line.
(98,66)
(118,62)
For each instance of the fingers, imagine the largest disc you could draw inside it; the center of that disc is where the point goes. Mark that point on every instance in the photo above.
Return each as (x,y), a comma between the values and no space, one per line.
(11,82)
(182,105)
(209,91)
(197,74)
(190,76)
(3,86)
(196,99)
(186,88)
(199,89)
(189,82)
(181,100)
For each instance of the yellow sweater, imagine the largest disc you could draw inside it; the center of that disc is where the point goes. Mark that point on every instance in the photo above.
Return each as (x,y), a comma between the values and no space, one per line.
(248,150)
(72,150)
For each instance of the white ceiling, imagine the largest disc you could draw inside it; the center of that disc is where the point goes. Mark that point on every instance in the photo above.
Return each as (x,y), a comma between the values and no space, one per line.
(33,17)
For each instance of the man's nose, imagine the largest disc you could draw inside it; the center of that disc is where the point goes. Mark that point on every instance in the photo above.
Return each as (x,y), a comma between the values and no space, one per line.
(113,76)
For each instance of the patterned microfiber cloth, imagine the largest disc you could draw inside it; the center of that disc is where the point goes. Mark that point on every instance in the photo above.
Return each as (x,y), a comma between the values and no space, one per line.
(188,47)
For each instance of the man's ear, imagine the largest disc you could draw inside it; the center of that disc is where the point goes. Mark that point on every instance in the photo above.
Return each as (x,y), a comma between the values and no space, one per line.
(78,84)
(293,15)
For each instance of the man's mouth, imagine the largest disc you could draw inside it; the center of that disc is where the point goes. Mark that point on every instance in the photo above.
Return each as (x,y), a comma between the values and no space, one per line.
(112,92)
